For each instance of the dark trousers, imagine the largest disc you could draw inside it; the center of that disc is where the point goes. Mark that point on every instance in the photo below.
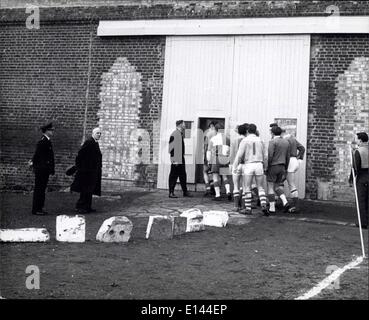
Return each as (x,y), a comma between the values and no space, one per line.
(85,201)
(362,187)
(177,171)
(41,180)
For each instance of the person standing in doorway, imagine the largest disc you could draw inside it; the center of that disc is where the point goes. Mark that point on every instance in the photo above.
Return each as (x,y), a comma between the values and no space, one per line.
(43,164)
(177,159)
(208,134)
(361,170)
(218,156)
(87,180)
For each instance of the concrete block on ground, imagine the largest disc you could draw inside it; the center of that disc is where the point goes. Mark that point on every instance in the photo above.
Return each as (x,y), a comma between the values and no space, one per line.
(179,225)
(115,229)
(70,228)
(215,218)
(24,235)
(139,227)
(159,228)
(194,220)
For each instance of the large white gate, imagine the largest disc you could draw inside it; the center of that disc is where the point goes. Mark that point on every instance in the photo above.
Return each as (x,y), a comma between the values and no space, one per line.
(254,79)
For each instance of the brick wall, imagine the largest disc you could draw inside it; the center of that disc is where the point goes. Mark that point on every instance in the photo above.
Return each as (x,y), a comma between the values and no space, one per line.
(164,9)
(338,76)
(146,56)
(44,76)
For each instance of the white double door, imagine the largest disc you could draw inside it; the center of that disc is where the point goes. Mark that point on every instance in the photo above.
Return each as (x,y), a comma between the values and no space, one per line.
(253,79)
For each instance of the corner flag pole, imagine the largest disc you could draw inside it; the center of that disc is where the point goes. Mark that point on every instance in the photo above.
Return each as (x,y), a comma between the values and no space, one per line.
(357,203)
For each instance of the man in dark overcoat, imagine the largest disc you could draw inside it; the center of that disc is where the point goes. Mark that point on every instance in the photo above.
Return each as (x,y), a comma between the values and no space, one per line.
(177,159)
(87,180)
(43,164)
(361,169)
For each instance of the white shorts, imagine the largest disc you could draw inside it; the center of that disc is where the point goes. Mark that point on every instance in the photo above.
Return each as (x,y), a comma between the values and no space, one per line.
(294,165)
(254,168)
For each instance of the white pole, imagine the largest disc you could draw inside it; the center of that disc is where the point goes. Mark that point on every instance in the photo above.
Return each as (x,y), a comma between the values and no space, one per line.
(357,203)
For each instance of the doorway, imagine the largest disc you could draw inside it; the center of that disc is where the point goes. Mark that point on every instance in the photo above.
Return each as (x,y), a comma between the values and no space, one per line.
(203,125)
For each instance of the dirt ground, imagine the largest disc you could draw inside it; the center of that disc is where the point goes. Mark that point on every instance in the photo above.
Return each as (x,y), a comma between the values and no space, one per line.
(263,258)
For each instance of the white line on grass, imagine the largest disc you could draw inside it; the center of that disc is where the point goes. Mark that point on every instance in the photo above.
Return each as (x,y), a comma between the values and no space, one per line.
(329,280)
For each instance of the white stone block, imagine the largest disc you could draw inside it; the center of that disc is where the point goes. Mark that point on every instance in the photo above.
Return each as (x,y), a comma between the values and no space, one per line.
(24,235)
(115,229)
(215,218)
(70,228)
(194,220)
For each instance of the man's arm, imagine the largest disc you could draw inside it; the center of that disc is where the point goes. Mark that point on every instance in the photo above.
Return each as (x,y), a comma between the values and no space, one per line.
(270,152)
(240,154)
(36,155)
(357,161)
(356,165)
(171,144)
(301,150)
(288,155)
(39,153)
(175,147)
(208,152)
(265,156)
(82,155)
(52,171)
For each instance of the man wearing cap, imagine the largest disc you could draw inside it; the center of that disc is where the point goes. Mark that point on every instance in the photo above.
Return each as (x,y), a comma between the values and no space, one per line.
(361,170)
(43,164)
(87,180)
(178,166)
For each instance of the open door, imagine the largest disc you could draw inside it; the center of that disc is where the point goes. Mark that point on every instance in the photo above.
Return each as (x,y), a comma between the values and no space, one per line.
(203,125)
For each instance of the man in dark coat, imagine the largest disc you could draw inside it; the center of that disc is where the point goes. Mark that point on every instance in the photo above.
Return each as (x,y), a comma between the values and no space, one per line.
(177,159)
(43,164)
(87,180)
(361,170)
